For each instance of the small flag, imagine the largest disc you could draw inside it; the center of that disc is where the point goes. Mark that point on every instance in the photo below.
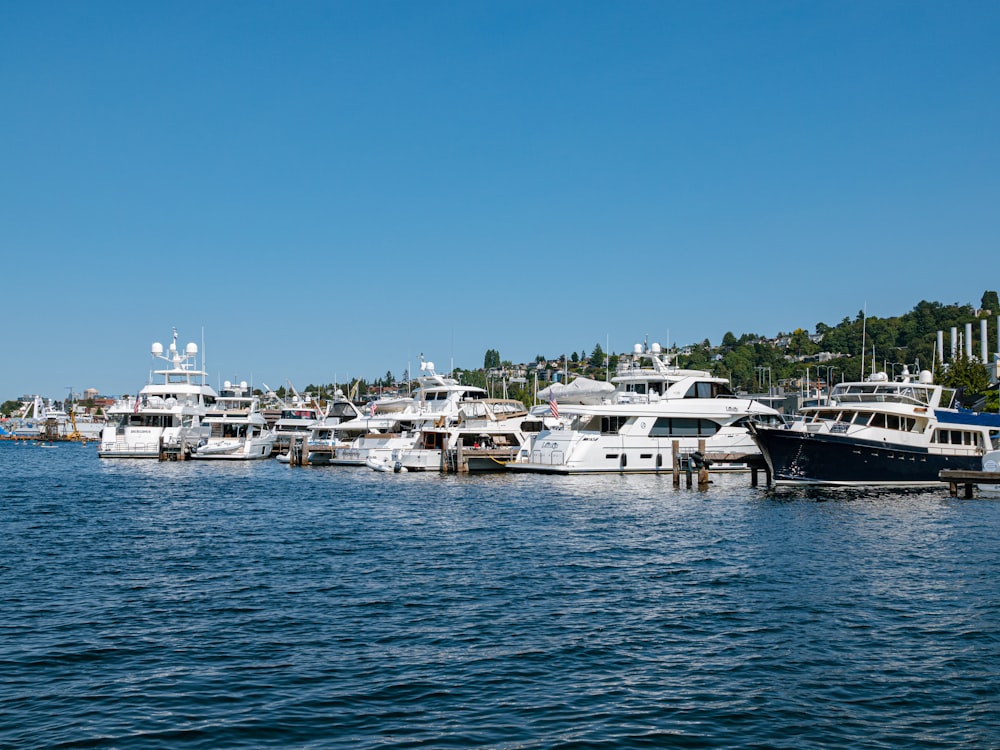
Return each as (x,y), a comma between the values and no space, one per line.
(135,409)
(553,408)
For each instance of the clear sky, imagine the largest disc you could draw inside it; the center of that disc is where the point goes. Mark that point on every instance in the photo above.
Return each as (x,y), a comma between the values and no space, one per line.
(324,190)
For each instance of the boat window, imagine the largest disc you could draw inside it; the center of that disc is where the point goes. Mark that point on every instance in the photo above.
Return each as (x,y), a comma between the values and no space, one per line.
(683,427)
(612,425)
(877,420)
(700,389)
(892,421)
(955,437)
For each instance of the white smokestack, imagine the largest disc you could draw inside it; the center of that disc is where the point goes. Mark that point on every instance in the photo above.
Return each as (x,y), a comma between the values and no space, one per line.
(968,340)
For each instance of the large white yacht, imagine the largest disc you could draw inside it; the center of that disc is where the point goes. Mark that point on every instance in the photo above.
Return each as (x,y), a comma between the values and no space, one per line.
(373,437)
(485,435)
(322,441)
(234,428)
(172,404)
(632,429)
(879,432)
(295,419)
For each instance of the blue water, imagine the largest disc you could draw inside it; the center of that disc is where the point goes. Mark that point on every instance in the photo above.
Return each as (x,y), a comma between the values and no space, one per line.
(211,605)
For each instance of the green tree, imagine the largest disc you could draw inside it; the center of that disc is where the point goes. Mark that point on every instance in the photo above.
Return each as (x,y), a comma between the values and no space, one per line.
(597,357)
(968,376)
(990,302)
(492,359)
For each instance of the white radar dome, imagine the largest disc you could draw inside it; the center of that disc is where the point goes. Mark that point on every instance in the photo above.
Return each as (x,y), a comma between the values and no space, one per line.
(926,376)
(191,349)
(157,349)
(656,348)
(637,349)
(227,384)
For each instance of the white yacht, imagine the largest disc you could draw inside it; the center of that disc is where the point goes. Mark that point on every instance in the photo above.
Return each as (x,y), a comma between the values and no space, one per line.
(879,431)
(164,411)
(373,437)
(485,435)
(235,429)
(323,440)
(296,418)
(632,429)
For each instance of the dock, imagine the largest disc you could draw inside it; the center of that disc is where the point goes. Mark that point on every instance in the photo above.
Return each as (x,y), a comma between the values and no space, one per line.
(968,479)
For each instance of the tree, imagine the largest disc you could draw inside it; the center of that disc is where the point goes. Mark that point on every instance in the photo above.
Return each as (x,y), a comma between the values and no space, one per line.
(729,340)
(968,376)
(990,302)
(597,357)
(492,359)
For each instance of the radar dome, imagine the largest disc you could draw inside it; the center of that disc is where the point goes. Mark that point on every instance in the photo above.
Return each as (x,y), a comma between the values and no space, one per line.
(243,384)
(656,348)
(926,376)
(157,349)
(637,349)
(191,349)
(227,384)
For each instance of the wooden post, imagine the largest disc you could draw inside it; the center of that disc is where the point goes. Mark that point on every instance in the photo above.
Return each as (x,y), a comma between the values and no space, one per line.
(675,462)
(703,469)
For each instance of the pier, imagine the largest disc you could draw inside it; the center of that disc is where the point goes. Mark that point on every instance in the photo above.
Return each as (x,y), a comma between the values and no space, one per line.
(967,479)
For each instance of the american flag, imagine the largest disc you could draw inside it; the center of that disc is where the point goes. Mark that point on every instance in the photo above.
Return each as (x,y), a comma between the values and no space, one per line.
(135,409)
(554,408)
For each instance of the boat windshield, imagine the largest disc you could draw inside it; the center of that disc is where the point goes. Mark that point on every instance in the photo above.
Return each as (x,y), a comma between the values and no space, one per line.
(905,393)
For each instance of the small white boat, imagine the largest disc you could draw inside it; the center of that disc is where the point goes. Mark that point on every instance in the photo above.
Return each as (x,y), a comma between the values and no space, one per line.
(378,463)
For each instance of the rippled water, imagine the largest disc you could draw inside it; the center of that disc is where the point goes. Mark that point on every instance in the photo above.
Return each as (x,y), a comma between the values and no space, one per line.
(210,605)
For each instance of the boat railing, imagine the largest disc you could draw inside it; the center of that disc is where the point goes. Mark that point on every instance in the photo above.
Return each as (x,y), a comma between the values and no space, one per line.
(877,398)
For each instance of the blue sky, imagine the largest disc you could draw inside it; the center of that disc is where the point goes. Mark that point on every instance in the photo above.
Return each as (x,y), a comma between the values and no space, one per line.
(327,189)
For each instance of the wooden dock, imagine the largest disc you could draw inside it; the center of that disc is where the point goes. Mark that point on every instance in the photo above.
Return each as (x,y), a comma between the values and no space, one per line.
(967,479)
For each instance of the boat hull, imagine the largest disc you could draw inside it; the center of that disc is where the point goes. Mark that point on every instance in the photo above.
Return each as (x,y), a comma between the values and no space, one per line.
(796,457)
